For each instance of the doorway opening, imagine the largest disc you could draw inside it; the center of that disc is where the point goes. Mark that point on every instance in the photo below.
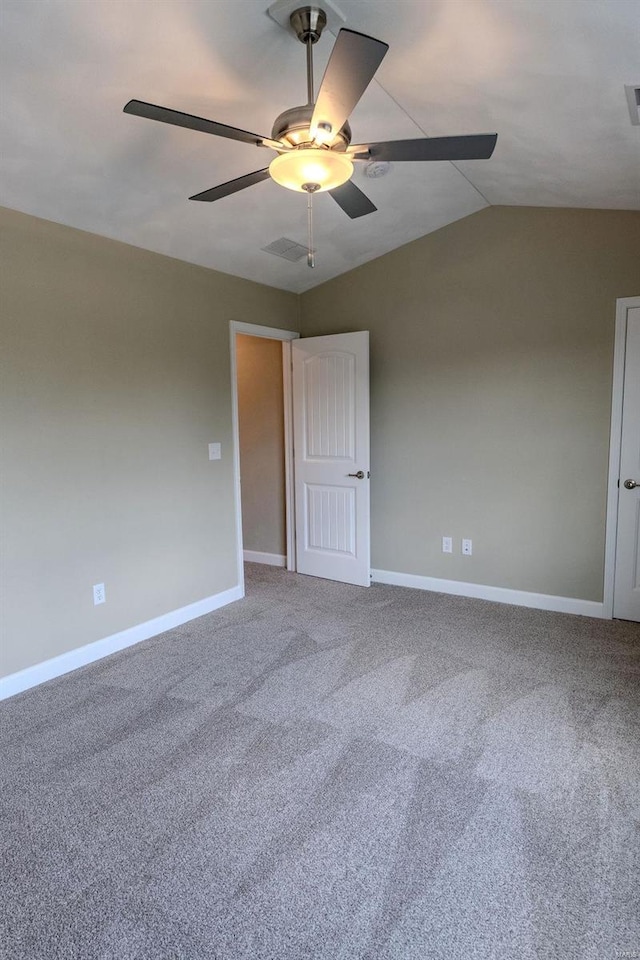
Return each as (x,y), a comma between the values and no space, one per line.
(263,444)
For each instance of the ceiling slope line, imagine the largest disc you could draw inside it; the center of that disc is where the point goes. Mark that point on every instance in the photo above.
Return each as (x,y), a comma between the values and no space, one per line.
(423,132)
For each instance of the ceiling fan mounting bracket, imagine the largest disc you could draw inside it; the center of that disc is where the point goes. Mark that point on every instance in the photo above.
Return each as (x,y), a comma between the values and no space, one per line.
(308,23)
(280,12)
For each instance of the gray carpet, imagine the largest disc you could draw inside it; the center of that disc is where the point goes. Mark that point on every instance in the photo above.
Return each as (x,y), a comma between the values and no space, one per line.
(323,771)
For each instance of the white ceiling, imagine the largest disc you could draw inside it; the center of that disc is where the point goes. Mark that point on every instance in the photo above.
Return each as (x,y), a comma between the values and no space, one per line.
(547,75)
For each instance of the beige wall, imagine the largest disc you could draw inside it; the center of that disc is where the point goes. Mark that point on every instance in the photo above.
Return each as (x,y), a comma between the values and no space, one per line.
(115,377)
(491,345)
(261,428)
(491,365)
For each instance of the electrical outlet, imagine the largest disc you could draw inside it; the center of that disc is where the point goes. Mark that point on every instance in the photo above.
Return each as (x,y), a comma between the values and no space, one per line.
(447,545)
(215,451)
(467,548)
(99,596)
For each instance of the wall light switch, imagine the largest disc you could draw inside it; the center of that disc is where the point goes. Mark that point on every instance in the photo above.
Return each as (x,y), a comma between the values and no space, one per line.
(215,451)
(447,545)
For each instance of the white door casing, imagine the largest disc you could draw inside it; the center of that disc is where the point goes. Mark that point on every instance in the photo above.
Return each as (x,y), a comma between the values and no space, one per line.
(626,594)
(331,446)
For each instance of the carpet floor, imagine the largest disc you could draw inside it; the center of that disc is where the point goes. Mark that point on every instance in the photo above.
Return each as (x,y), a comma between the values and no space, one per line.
(324,771)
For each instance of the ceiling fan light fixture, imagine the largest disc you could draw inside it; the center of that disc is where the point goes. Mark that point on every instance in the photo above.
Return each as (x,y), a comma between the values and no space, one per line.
(296,169)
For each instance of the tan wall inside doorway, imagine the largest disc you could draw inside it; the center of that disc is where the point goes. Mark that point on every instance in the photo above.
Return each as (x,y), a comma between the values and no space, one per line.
(261,430)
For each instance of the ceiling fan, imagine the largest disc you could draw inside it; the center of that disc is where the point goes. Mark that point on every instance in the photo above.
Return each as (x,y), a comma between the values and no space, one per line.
(313,142)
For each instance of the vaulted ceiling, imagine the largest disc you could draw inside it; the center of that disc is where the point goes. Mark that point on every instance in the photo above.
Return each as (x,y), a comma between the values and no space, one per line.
(548,76)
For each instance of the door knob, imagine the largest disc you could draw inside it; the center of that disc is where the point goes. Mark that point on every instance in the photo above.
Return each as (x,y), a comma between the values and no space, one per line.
(359,475)
(631,484)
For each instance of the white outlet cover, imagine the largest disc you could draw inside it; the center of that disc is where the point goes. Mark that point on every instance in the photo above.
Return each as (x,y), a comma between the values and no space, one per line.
(467,548)
(99,595)
(447,545)
(215,451)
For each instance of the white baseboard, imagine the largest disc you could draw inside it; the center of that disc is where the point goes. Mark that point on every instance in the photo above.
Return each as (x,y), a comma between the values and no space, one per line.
(520,598)
(273,559)
(66,662)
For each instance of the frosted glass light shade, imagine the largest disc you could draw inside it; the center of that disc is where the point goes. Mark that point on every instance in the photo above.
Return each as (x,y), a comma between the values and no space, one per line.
(322,167)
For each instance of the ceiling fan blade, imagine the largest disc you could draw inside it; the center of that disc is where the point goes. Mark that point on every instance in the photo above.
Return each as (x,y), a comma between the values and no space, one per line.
(232,186)
(152,112)
(352,64)
(473,147)
(352,200)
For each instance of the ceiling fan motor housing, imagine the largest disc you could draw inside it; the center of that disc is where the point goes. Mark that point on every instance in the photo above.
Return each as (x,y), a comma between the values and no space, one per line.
(293,127)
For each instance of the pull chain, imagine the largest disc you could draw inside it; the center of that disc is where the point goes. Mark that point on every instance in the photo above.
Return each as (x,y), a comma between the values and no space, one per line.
(310,187)
(311,257)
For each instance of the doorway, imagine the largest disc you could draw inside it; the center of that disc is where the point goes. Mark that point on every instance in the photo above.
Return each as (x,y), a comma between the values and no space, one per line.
(622,560)
(325,403)
(283,493)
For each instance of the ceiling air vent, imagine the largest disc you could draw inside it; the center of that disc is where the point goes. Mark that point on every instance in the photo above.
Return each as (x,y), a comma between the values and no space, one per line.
(287,249)
(633,99)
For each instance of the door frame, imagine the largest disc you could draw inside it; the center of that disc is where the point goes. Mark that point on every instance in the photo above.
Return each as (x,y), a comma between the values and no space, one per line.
(623,305)
(286,336)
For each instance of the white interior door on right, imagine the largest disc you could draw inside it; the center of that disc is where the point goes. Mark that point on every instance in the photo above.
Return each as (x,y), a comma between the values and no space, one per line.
(626,593)
(331,456)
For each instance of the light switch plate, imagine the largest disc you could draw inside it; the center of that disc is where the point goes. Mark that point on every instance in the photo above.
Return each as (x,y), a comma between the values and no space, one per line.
(215,451)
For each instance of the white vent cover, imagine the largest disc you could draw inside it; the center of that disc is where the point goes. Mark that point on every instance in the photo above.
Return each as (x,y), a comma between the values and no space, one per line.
(633,99)
(287,249)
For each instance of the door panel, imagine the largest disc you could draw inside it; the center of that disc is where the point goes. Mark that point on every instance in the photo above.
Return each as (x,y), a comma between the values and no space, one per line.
(329,402)
(626,600)
(331,515)
(331,441)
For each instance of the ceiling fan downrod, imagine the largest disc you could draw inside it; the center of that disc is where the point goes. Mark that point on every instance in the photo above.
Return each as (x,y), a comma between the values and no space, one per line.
(308,24)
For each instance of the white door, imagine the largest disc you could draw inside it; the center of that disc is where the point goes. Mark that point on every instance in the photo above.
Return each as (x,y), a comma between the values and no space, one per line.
(331,456)
(626,596)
